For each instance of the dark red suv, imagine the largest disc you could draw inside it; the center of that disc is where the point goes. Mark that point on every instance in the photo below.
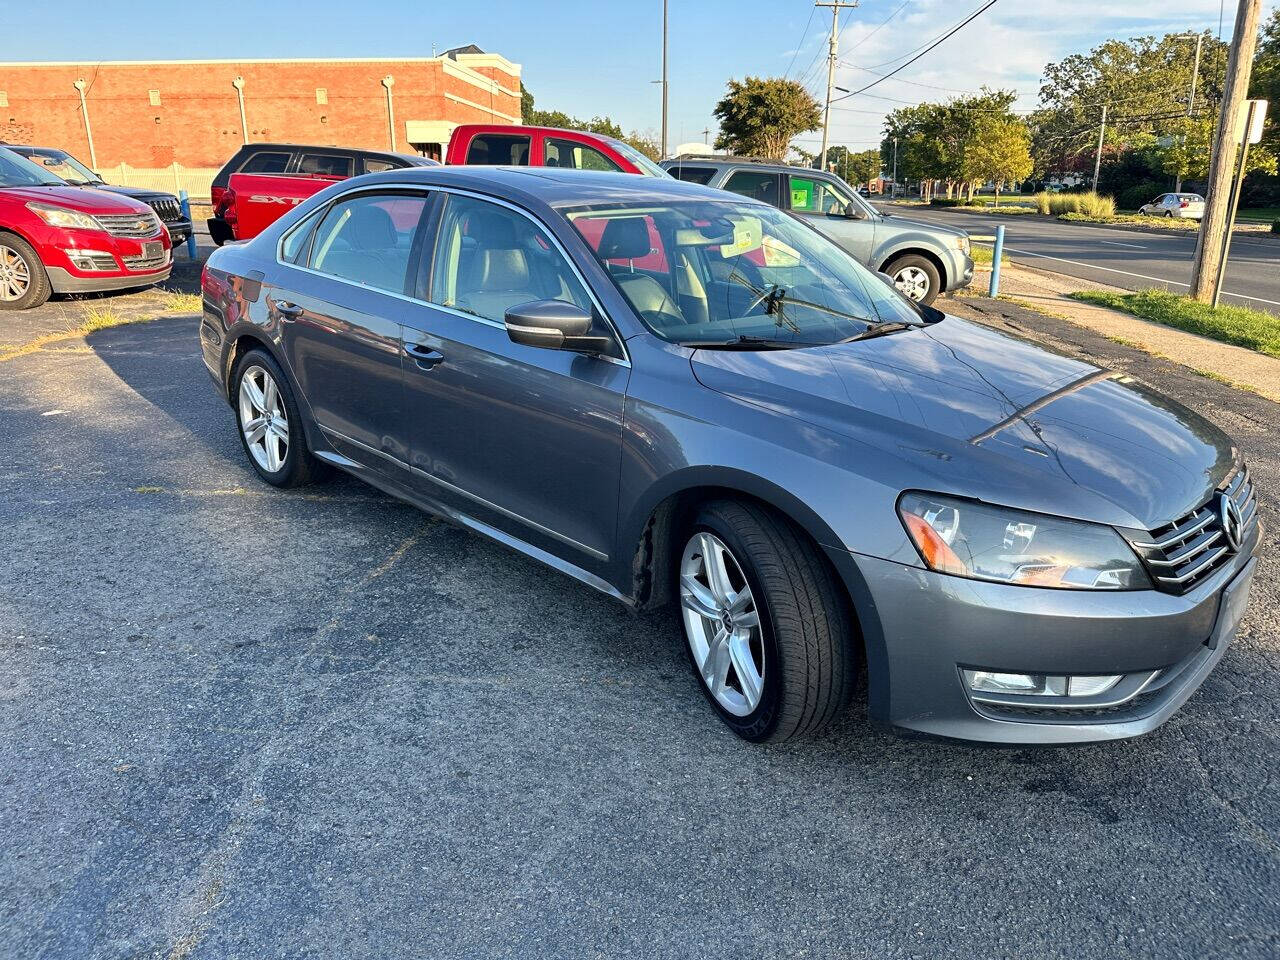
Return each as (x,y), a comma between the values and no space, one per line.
(55,238)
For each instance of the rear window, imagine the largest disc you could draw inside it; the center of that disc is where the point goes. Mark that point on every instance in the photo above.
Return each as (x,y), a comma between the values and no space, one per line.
(499,148)
(758,186)
(265,162)
(693,174)
(327,165)
(1191,197)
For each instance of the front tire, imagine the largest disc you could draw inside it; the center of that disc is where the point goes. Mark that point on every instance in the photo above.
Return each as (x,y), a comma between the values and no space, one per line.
(270,423)
(916,277)
(24,283)
(766,631)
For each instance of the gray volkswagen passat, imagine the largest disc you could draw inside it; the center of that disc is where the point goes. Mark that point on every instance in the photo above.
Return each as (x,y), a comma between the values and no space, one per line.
(675,394)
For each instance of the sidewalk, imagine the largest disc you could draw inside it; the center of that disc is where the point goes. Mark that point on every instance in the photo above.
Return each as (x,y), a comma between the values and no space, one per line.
(1047,293)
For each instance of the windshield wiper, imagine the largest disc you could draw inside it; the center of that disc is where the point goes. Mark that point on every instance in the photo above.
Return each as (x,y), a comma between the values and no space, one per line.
(746,341)
(879,330)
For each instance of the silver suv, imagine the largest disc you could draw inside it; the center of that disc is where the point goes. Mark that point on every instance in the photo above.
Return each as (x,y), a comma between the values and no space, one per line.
(922,258)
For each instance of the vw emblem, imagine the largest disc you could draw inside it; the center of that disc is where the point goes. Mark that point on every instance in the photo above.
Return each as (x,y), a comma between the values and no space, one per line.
(1232,524)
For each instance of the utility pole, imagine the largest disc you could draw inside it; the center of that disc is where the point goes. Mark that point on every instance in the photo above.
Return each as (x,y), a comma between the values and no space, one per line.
(1097,160)
(1213,228)
(1191,100)
(664,78)
(895,167)
(836,6)
(81,86)
(706,135)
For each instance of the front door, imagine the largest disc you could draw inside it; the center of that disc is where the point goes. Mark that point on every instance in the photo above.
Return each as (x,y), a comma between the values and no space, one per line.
(339,311)
(830,209)
(526,439)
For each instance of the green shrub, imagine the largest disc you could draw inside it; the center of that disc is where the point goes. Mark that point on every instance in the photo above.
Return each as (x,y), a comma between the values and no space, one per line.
(1133,197)
(1088,204)
(945,202)
(1275,226)
(1042,202)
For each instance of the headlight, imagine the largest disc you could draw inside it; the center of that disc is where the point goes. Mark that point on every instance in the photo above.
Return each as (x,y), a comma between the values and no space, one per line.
(62,217)
(962,244)
(984,542)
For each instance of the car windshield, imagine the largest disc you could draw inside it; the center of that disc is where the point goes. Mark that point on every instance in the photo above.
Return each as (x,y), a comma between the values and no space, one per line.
(66,167)
(647,166)
(742,275)
(16,171)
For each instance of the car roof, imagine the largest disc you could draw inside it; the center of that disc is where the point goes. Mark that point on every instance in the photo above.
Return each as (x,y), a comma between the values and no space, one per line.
(558,186)
(753,163)
(328,148)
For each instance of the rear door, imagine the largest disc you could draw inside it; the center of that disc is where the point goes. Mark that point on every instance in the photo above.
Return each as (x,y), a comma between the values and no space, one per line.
(759,185)
(339,309)
(527,440)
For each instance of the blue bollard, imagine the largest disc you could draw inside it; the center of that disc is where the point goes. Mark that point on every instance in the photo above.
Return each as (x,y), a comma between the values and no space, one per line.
(994,290)
(185,201)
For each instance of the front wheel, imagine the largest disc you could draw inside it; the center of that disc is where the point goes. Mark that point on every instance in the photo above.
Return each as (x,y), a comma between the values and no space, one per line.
(23,280)
(916,277)
(766,631)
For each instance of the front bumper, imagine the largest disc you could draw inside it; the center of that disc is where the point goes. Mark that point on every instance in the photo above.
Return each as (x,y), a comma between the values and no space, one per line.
(959,272)
(64,281)
(922,628)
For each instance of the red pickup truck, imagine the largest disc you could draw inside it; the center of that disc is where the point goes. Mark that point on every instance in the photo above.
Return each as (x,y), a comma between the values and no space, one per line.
(251,201)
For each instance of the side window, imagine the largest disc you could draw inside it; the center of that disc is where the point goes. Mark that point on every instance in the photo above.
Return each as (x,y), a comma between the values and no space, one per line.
(265,162)
(326,164)
(489,258)
(368,239)
(766,187)
(692,174)
(816,195)
(294,245)
(499,148)
(377,166)
(577,156)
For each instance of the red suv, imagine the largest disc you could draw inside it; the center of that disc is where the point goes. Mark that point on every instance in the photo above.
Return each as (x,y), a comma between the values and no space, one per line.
(60,239)
(521,146)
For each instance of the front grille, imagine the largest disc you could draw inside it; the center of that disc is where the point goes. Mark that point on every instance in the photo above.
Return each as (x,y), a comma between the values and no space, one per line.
(135,226)
(167,209)
(142,262)
(1182,553)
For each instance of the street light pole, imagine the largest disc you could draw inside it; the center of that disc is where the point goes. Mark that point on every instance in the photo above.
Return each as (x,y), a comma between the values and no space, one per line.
(1097,160)
(1191,100)
(836,6)
(664,78)
(895,167)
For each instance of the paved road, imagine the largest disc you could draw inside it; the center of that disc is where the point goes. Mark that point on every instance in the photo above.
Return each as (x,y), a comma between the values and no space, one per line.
(1133,259)
(243,723)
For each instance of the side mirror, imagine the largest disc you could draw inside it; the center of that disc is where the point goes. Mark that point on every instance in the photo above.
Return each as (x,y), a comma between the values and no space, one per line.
(554,325)
(887,279)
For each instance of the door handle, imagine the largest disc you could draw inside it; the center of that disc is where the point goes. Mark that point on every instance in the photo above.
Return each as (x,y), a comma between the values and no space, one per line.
(287,309)
(424,356)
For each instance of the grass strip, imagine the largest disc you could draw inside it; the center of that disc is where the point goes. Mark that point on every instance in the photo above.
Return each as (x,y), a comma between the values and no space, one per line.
(1240,326)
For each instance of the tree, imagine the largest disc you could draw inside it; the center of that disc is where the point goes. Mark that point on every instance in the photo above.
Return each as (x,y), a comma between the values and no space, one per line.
(999,150)
(526,104)
(761,116)
(646,143)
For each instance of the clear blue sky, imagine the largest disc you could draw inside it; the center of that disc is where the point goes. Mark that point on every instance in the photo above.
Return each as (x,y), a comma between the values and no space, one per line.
(600,57)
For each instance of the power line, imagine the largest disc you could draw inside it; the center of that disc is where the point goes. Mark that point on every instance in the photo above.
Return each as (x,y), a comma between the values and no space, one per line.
(877,29)
(973,16)
(804,35)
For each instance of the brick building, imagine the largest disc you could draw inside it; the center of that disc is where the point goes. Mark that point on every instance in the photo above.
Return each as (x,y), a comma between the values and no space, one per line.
(153,114)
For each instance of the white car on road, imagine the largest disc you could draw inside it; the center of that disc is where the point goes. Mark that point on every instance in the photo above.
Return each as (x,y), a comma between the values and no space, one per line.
(1189,205)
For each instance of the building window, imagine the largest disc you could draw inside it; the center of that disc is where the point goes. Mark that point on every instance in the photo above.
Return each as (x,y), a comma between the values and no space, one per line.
(4,99)
(322,95)
(154,97)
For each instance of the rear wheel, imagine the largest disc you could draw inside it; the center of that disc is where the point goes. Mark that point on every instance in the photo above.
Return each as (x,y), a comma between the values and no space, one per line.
(916,277)
(23,280)
(767,633)
(270,423)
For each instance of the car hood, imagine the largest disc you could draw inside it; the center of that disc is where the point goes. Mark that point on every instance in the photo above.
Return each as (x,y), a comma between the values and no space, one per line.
(973,411)
(906,223)
(82,199)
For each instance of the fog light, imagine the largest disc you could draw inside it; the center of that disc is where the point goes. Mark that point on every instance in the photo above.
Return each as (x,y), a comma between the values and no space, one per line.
(1038,684)
(91,259)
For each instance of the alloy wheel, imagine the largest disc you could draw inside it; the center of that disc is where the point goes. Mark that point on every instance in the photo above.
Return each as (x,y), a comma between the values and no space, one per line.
(15,274)
(913,282)
(722,624)
(264,421)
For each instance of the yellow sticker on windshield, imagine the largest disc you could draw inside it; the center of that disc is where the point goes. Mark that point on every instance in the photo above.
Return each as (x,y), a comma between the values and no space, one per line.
(746,237)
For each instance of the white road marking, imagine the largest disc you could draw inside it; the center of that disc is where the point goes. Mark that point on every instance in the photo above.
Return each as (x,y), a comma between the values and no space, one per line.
(1140,276)
(1117,243)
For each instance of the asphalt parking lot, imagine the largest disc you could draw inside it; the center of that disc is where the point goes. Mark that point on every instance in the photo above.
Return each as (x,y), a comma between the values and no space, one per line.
(237,722)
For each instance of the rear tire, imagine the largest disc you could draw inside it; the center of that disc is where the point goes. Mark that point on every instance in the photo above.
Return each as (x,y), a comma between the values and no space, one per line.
(24,282)
(789,638)
(270,423)
(915,277)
